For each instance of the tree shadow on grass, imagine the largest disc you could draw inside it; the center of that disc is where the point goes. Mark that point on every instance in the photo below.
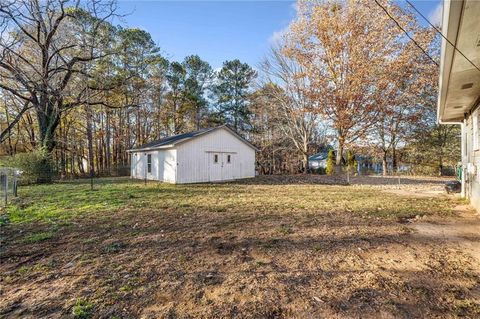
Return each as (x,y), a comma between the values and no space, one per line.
(341,180)
(188,264)
(322,290)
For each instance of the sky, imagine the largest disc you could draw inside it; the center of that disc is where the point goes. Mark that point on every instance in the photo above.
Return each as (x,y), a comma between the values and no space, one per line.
(222,30)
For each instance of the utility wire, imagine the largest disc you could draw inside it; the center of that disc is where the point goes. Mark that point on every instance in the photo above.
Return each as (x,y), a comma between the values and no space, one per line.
(406,33)
(434,27)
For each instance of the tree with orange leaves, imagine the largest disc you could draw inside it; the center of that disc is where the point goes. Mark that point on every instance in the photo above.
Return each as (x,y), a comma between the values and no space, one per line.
(352,60)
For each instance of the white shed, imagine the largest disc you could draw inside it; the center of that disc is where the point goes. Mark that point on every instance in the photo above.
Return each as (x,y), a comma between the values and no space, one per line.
(207,155)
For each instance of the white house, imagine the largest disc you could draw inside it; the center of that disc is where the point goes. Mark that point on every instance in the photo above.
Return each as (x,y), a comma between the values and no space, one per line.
(459,86)
(207,155)
(318,160)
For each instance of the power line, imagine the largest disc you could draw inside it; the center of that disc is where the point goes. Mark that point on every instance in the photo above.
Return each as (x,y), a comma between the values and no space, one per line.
(406,33)
(438,31)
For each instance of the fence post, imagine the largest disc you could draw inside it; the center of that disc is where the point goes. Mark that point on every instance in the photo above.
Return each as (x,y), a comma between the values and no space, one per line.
(15,183)
(145,158)
(4,184)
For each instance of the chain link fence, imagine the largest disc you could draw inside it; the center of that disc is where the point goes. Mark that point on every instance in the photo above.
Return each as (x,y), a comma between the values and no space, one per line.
(8,184)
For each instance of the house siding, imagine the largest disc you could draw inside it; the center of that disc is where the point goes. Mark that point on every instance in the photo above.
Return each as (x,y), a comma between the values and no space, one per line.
(314,164)
(470,162)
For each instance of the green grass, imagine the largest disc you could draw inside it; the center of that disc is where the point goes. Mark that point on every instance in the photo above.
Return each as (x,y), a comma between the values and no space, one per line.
(126,245)
(82,309)
(38,237)
(61,202)
(115,247)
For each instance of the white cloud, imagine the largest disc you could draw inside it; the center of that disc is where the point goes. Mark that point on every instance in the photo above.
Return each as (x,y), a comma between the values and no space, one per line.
(435,16)
(294,6)
(277,36)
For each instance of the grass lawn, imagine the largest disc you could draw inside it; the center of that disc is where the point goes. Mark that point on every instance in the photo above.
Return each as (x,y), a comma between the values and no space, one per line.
(263,248)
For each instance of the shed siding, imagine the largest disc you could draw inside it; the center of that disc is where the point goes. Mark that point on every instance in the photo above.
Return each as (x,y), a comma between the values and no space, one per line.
(136,165)
(163,165)
(170,166)
(195,158)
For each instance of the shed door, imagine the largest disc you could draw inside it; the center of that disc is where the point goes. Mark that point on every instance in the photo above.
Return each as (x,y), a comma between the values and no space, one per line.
(220,166)
(227,166)
(214,167)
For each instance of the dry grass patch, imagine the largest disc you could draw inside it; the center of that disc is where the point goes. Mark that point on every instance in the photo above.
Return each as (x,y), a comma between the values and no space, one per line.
(259,249)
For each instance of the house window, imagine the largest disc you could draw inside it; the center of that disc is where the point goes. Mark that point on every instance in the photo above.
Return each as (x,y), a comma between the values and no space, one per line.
(229,159)
(215,158)
(149,163)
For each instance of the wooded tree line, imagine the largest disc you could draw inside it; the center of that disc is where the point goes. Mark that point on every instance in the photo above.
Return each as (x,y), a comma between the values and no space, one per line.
(85,90)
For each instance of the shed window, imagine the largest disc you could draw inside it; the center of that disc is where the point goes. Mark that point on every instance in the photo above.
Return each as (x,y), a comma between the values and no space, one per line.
(215,158)
(229,158)
(149,163)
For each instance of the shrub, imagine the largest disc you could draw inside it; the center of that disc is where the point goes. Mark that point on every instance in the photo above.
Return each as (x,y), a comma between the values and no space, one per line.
(330,162)
(351,162)
(36,166)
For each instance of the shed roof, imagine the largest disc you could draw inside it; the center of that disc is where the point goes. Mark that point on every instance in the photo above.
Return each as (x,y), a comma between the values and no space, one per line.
(173,140)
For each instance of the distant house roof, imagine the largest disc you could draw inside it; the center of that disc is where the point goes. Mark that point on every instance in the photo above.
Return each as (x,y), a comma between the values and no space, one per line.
(363,157)
(173,140)
(319,156)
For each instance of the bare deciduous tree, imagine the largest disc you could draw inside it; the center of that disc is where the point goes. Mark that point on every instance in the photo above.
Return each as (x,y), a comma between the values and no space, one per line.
(43,48)
(295,105)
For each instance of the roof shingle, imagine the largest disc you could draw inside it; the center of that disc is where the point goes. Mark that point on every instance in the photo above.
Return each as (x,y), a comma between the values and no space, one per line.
(174,139)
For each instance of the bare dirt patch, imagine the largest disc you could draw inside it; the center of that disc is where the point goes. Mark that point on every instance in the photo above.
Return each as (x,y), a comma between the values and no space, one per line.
(462,231)
(256,249)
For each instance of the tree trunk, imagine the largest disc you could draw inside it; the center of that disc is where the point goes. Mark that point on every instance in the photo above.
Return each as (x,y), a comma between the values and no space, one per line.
(108,155)
(9,137)
(30,127)
(47,123)
(384,164)
(394,159)
(305,163)
(63,168)
(339,158)
(91,167)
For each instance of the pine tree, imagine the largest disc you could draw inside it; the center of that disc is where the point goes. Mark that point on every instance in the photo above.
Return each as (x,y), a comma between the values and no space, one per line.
(231,93)
(330,162)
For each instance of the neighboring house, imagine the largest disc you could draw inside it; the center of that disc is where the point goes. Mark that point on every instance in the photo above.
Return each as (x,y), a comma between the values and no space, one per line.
(368,165)
(459,86)
(318,160)
(365,164)
(207,155)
